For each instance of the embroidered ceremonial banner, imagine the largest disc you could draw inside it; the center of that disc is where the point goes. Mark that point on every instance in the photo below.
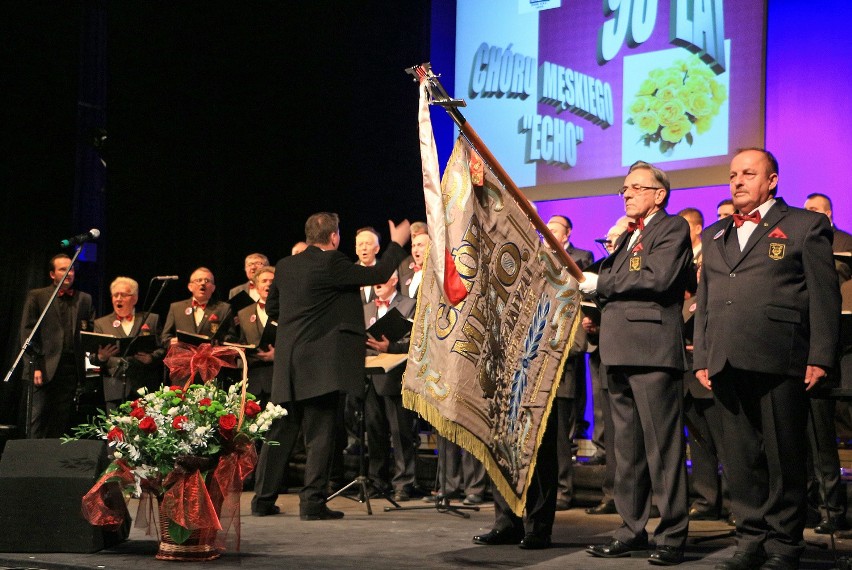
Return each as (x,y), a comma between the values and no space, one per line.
(484,371)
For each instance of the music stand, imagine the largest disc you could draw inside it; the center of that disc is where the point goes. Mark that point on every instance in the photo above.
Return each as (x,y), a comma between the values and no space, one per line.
(373,365)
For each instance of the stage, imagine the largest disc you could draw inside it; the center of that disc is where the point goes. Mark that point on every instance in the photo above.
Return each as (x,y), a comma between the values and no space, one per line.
(403,539)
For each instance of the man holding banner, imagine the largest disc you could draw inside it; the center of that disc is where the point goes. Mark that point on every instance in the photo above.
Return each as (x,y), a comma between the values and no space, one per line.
(641,288)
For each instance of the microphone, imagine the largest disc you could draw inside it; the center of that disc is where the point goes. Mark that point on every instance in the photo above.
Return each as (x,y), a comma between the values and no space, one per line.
(80,239)
(165,278)
(602,240)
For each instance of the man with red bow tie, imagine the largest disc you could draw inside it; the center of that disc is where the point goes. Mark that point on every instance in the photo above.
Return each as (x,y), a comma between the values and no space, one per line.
(383,406)
(641,289)
(198,314)
(766,332)
(124,374)
(253,320)
(56,365)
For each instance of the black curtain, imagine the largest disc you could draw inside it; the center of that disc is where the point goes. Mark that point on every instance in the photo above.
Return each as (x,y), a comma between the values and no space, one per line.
(228,124)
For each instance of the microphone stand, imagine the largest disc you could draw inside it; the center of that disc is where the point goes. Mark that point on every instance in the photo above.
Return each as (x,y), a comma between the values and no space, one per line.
(27,345)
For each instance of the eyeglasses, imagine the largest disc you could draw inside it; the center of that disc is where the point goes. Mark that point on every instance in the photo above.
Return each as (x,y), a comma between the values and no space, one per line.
(637,188)
(201,280)
(122,295)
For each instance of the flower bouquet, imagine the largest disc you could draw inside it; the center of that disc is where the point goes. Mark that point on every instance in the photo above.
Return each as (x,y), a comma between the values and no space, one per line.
(671,101)
(189,446)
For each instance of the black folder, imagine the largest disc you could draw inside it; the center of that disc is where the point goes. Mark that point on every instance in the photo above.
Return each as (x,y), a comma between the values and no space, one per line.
(240,301)
(590,309)
(393,326)
(143,343)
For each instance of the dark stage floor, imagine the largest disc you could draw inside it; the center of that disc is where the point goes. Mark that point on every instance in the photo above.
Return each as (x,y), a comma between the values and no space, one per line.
(410,539)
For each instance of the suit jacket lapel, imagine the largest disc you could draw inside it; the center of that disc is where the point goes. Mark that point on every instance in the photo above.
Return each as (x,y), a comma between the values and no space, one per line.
(643,237)
(729,238)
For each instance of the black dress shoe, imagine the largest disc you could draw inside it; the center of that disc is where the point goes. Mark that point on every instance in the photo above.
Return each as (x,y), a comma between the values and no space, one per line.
(321,514)
(831,525)
(696,514)
(273,510)
(615,549)
(666,556)
(532,541)
(742,561)
(780,562)
(602,508)
(499,536)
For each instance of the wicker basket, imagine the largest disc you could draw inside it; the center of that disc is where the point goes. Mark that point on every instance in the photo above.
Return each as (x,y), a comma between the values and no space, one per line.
(198,547)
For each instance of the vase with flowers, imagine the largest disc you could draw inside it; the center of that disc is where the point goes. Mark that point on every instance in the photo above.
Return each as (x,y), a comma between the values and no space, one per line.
(188,447)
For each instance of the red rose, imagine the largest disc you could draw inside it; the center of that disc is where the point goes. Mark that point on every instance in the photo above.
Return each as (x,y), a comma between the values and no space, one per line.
(227,424)
(178,422)
(205,402)
(176,388)
(148,425)
(115,434)
(252,408)
(213,318)
(138,413)
(134,404)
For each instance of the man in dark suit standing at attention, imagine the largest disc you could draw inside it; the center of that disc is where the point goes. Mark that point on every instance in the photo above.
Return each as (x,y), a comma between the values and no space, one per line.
(641,289)
(56,368)
(766,330)
(319,352)
(198,314)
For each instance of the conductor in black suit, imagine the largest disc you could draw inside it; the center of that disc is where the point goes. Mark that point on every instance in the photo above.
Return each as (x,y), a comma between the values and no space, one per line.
(766,331)
(641,289)
(320,348)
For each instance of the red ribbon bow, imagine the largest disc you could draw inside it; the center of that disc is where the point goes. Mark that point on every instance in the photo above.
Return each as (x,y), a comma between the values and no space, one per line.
(185,360)
(414,266)
(68,292)
(740,219)
(637,225)
(380,303)
(261,305)
(199,305)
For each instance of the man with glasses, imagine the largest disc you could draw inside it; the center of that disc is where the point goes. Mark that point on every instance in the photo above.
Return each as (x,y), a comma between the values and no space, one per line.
(124,374)
(198,314)
(254,261)
(641,289)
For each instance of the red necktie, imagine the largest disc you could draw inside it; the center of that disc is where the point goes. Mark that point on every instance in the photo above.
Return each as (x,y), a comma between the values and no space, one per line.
(380,303)
(68,292)
(199,305)
(637,225)
(740,219)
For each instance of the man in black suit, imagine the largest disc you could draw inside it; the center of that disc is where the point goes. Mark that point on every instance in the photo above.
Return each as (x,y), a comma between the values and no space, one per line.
(253,262)
(766,331)
(572,389)
(253,320)
(386,418)
(56,365)
(198,314)
(826,489)
(641,288)
(319,352)
(124,374)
